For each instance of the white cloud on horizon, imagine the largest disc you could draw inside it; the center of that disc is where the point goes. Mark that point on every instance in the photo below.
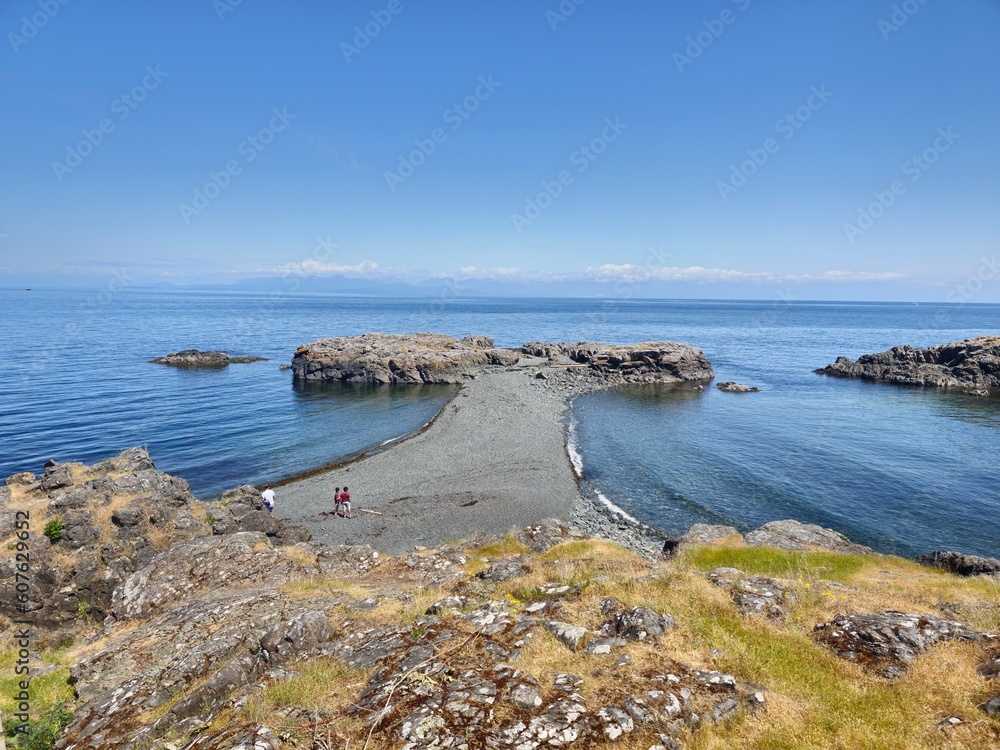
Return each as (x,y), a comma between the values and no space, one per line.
(608,273)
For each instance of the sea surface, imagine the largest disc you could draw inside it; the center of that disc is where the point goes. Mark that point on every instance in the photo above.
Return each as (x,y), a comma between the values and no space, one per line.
(905,470)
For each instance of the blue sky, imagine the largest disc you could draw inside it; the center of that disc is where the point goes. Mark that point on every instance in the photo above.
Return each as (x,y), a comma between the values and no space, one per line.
(852,149)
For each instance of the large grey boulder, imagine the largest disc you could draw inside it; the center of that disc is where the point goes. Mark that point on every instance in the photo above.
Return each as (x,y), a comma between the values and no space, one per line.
(794,535)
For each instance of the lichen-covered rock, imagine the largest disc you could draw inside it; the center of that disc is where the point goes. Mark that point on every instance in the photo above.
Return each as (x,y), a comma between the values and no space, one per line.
(635,624)
(972,362)
(794,535)
(501,570)
(754,595)
(887,642)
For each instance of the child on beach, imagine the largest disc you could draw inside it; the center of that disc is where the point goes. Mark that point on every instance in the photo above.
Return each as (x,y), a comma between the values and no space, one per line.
(336,502)
(268,497)
(345,502)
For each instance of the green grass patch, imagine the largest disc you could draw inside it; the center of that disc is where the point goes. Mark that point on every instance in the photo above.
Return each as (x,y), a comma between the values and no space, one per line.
(778,563)
(509,546)
(314,684)
(48,692)
(832,704)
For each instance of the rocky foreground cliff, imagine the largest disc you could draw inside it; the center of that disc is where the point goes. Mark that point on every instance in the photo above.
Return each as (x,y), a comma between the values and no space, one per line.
(971,364)
(219,635)
(376,358)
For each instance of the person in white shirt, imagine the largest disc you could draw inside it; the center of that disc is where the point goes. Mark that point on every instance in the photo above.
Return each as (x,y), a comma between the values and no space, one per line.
(268,497)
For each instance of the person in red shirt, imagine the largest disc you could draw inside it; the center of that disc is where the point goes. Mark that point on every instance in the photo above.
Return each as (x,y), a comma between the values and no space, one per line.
(345,502)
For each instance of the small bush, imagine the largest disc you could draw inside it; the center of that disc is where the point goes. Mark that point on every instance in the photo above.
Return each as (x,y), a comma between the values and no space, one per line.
(54,529)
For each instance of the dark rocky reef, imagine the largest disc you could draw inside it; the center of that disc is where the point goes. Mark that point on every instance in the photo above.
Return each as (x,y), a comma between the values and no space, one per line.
(194,359)
(376,358)
(973,363)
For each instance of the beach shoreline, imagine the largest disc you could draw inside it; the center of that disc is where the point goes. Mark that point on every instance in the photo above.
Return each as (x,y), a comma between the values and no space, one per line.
(493,460)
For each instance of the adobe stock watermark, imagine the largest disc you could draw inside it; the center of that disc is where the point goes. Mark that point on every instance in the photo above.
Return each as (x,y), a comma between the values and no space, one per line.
(224,7)
(122,106)
(363,35)
(563,11)
(712,29)
(901,14)
(786,127)
(249,148)
(33,24)
(915,167)
(581,158)
(454,117)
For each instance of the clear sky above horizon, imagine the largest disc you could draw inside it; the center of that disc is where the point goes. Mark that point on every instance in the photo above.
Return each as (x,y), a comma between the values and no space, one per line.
(850,146)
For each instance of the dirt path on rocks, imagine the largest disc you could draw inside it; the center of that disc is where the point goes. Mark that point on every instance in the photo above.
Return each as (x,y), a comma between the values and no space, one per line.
(494,460)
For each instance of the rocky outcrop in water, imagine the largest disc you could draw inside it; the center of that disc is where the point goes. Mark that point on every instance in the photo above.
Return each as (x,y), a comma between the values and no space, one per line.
(731,387)
(194,359)
(649,362)
(436,358)
(973,363)
(376,358)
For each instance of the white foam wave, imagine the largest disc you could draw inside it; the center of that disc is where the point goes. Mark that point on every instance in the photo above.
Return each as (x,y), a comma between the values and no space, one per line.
(576,459)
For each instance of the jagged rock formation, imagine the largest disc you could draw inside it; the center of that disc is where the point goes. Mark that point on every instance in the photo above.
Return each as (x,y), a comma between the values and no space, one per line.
(391,358)
(193,358)
(649,362)
(92,527)
(961,564)
(889,641)
(793,535)
(971,363)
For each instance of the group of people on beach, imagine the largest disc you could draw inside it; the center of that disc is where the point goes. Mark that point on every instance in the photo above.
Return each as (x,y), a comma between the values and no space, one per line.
(341,501)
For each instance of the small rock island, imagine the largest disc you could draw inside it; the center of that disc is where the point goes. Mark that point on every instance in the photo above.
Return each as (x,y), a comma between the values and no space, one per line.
(973,363)
(195,359)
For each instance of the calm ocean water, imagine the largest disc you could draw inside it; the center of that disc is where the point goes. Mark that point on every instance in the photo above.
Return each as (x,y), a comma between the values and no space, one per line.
(904,470)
